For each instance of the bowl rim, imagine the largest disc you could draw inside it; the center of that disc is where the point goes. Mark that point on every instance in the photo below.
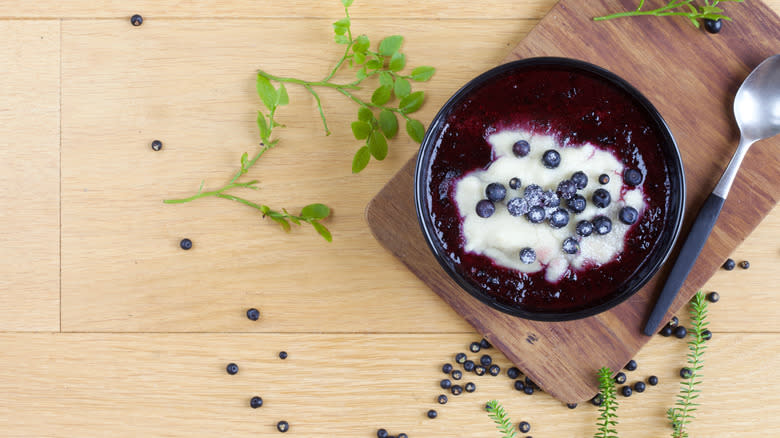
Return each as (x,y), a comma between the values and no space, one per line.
(676,210)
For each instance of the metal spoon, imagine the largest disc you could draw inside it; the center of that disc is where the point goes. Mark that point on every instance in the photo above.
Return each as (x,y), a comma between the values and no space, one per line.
(757,111)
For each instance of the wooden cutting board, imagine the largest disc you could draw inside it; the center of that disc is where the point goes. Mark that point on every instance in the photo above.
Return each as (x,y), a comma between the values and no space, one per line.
(691,77)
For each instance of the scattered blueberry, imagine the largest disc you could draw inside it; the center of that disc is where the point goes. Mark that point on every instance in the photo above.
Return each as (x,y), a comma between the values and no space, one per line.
(674,322)
(584,228)
(282,355)
(156,145)
(495,192)
(521,148)
(469,365)
(601,198)
(626,391)
(517,206)
(457,375)
(515,183)
(652,380)
(136,20)
(494,370)
(470,387)
(185,244)
(631,365)
(686,373)
(432,413)
(442,399)
(456,390)
(527,255)
(580,179)
(479,370)
(680,332)
(485,344)
(550,199)
(519,385)
(567,189)
(620,378)
(713,26)
(713,297)
(639,386)
(402,435)
(460,357)
(706,335)
(528,390)
(253,314)
(628,215)
(485,208)
(632,177)
(445,384)
(744,264)
(729,265)
(571,405)
(231,368)
(577,203)
(524,427)
(551,159)
(602,225)
(536,214)
(256,402)
(666,331)
(571,246)
(559,218)
(604,178)
(381,433)
(533,195)
(446,368)
(513,373)
(597,400)
(475,347)
(282,426)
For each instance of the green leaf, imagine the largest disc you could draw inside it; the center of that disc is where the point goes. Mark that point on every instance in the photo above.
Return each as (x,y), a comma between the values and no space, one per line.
(377,145)
(315,211)
(412,102)
(415,129)
(388,122)
(361,74)
(281,221)
(386,79)
(339,30)
(266,91)
(360,129)
(390,45)
(374,64)
(341,39)
(397,62)
(402,88)
(322,231)
(422,74)
(347,3)
(381,95)
(359,58)
(365,114)
(344,22)
(361,44)
(244,159)
(360,161)
(262,125)
(282,98)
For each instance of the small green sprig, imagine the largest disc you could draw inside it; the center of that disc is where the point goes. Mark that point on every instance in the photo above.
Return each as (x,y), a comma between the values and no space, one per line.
(386,63)
(608,411)
(684,8)
(503,423)
(682,414)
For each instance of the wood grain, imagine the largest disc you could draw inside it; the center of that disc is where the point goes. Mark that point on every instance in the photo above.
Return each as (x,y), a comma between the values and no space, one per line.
(29,175)
(563,357)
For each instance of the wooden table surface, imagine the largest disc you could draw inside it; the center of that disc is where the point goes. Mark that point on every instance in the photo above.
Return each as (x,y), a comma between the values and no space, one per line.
(108,328)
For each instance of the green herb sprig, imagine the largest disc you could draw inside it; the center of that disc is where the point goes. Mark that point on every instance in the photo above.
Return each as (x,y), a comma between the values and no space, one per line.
(608,411)
(682,414)
(503,423)
(385,63)
(684,8)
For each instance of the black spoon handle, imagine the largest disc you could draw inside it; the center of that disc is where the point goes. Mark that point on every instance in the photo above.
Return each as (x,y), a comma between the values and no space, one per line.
(695,241)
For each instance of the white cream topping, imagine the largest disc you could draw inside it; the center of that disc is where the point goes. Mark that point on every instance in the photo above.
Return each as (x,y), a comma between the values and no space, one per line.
(502,236)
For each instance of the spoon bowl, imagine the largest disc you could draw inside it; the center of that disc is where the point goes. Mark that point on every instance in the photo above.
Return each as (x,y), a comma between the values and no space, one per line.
(757,103)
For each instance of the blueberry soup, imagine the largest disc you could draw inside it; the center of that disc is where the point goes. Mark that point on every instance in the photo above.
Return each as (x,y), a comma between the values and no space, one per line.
(549,188)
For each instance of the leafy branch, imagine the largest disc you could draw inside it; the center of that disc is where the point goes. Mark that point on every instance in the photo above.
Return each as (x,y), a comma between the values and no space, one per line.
(386,63)
(681,415)
(503,423)
(685,8)
(608,410)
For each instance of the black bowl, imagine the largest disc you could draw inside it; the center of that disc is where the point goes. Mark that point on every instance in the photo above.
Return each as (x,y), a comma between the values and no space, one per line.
(570,99)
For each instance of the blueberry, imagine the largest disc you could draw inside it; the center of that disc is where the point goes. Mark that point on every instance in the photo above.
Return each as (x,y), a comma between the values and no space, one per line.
(666,331)
(571,405)
(584,228)
(445,384)
(231,369)
(706,335)
(256,402)
(479,370)
(559,218)
(632,177)
(602,225)
(475,347)
(494,370)
(432,413)
(567,189)
(469,365)
(639,386)
(282,426)
(253,314)
(470,387)
(460,357)
(601,198)
(631,365)
(628,215)
(485,344)
(524,427)
(185,244)
(652,380)
(680,332)
(402,435)
(674,322)
(517,206)
(515,183)
(521,148)
(551,159)
(442,399)
(156,145)
(495,192)
(536,214)
(620,378)
(729,264)
(686,373)
(446,368)
(626,391)
(550,199)
(486,360)
(744,264)
(282,355)
(485,208)
(527,255)
(513,373)
(457,375)
(381,433)
(571,246)
(713,26)
(519,385)
(577,203)
(533,195)
(137,20)
(456,390)
(597,400)
(528,390)
(713,297)
(580,179)
(603,179)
